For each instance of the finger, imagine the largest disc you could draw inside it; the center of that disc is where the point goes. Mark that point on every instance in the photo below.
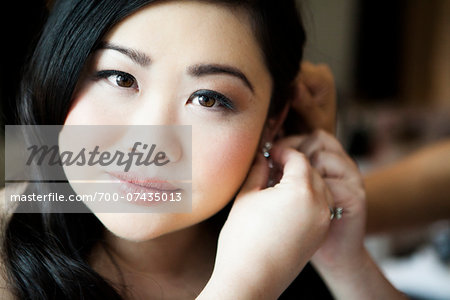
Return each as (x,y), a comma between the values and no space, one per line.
(288,142)
(295,165)
(321,188)
(316,77)
(296,168)
(333,165)
(258,174)
(291,141)
(320,140)
(349,196)
(303,99)
(328,163)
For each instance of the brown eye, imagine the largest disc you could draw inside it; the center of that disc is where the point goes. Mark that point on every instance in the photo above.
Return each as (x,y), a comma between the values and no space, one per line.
(212,100)
(118,78)
(206,101)
(124,81)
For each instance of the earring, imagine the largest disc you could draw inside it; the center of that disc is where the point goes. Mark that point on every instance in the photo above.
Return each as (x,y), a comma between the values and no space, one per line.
(266,153)
(267,147)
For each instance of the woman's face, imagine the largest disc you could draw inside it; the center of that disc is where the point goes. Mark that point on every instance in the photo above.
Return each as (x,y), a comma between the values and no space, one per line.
(149,71)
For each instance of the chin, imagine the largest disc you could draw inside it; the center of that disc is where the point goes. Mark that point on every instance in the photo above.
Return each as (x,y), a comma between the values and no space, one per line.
(138,227)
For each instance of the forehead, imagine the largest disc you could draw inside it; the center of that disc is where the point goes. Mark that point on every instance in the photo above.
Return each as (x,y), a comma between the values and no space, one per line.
(192,32)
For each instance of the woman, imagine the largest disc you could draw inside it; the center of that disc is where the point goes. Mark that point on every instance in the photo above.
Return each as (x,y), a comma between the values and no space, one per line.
(227,68)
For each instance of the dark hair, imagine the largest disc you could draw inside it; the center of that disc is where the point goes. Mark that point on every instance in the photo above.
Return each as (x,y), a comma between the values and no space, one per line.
(45,255)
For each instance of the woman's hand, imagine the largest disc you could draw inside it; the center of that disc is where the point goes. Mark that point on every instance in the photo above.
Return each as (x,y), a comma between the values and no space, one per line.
(271,233)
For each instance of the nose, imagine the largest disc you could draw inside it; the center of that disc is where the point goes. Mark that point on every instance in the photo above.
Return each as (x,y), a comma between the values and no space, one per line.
(161,142)
(154,123)
(160,106)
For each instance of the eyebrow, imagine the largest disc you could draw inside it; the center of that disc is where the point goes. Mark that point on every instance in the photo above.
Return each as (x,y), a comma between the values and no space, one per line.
(138,57)
(212,69)
(198,70)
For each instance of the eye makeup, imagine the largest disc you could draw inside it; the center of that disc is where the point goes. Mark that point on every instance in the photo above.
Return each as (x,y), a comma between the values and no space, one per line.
(122,79)
(205,98)
(219,98)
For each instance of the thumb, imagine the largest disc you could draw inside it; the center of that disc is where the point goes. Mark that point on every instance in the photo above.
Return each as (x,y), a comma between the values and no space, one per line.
(257,176)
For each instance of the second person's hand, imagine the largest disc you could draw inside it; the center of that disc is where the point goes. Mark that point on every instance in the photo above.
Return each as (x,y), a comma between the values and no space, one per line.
(314,102)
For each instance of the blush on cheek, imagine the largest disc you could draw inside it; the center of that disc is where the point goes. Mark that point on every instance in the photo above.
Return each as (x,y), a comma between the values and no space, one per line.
(221,165)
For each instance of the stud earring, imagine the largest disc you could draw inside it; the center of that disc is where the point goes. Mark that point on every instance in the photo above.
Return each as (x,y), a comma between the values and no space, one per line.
(266,149)
(266,153)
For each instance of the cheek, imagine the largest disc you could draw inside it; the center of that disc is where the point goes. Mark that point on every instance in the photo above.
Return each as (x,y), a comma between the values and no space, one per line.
(87,109)
(231,154)
(220,164)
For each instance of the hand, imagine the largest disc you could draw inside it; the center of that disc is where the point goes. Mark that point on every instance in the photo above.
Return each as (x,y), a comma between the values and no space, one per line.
(344,242)
(342,259)
(291,220)
(314,104)
(271,233)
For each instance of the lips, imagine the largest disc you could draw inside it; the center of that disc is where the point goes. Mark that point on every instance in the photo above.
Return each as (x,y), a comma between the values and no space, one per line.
(138,184)
(146,182)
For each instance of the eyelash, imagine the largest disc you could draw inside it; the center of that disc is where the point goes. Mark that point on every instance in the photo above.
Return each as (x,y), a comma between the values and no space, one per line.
(108,73)
(223,101)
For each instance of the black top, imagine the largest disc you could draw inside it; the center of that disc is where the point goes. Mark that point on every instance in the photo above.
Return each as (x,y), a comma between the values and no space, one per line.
(307,286)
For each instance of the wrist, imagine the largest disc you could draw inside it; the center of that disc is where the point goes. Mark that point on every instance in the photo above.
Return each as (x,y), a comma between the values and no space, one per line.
(243,283)
(222,287)
(360,279)
(348,267)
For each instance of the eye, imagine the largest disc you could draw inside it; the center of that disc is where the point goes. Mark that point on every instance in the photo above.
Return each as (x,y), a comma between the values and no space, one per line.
(118,78)
(206,101)
(211,99)
(124,81)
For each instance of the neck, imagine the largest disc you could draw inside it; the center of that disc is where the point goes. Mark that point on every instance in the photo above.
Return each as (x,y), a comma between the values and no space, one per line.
(181,256)
(170,253)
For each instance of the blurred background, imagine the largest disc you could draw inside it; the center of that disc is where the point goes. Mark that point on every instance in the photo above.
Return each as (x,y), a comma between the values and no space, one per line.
(391,63)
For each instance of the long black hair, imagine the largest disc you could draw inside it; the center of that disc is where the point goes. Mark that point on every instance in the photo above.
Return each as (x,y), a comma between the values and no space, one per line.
(45,255)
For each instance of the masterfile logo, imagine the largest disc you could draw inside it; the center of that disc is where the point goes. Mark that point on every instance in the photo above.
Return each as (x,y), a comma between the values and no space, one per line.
(105,167)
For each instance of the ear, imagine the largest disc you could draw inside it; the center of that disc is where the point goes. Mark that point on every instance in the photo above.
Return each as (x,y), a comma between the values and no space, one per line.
(273,125)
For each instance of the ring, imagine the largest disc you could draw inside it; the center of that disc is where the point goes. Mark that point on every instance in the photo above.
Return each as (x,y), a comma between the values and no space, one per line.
(336,213)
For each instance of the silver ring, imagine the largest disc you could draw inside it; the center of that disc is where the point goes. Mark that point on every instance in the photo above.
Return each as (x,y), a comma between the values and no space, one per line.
(336,213)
